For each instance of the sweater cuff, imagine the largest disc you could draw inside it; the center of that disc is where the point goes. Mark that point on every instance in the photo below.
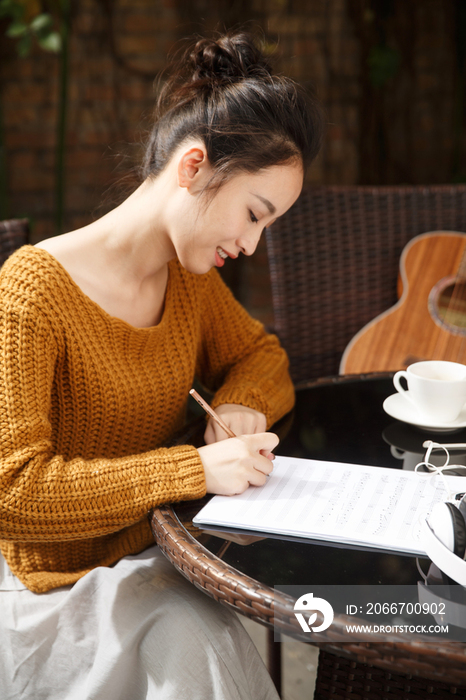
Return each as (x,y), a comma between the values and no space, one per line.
(278,402)
(190,473)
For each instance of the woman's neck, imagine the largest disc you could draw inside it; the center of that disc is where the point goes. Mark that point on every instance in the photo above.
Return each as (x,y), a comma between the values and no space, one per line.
(134,235)
(121,260)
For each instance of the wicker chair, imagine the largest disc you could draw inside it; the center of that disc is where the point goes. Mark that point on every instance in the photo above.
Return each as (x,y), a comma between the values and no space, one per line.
(334,260)
(14,233)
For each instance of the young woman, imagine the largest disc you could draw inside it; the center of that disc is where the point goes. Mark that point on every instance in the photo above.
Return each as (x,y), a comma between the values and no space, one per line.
(103,331)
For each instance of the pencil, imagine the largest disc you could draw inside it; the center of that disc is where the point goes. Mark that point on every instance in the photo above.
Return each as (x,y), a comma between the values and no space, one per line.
(212,413)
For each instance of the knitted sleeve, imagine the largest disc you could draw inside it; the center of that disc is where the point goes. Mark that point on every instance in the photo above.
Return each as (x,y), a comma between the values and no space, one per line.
(43,497)
(239,361)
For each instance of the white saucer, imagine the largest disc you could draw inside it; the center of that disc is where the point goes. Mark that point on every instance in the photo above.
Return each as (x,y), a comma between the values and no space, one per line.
(399,407)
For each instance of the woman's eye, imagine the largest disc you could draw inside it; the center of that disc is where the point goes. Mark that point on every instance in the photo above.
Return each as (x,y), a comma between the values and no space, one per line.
(254,219)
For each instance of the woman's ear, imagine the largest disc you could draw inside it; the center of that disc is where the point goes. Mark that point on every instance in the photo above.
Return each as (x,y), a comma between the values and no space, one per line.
(192,165)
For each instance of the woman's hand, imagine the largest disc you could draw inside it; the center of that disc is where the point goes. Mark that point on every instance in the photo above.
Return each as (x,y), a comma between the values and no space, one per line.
(240,419)
(233,465)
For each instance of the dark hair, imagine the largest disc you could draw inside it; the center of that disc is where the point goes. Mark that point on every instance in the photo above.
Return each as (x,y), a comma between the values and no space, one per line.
(223,92)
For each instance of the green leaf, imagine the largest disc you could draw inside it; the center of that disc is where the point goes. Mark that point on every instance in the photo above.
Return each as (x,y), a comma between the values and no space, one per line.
(41,22)
(11,9)
(16,29)
(23,46)
(51,42)
(7,6)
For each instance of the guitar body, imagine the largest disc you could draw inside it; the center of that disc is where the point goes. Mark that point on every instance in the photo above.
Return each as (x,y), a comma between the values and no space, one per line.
(422,325)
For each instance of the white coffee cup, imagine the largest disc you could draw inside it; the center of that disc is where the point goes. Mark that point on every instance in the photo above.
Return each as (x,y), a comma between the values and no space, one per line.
(437,389)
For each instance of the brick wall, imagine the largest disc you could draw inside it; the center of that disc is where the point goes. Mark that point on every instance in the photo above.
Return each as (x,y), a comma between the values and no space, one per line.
(402,132)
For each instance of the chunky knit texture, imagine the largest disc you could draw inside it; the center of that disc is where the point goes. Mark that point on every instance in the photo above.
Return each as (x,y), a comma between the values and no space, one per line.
(87,400)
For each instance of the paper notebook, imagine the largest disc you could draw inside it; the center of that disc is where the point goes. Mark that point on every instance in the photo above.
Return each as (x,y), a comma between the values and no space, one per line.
(336,502)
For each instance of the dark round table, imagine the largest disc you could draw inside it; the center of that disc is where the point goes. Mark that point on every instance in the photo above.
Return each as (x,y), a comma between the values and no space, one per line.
(336,419)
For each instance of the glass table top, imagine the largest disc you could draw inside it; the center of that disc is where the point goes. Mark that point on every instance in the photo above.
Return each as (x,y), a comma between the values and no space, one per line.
(342,420)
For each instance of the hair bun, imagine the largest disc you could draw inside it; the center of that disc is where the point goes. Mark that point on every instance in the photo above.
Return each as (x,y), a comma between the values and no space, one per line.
(222,91)
(230,58)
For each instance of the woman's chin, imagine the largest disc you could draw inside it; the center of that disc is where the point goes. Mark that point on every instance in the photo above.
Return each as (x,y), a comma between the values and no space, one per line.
(196,267)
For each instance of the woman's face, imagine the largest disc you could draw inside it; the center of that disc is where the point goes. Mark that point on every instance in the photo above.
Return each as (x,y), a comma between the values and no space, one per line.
(231,222)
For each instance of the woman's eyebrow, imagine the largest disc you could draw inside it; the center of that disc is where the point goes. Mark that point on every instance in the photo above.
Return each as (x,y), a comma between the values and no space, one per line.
(265,201)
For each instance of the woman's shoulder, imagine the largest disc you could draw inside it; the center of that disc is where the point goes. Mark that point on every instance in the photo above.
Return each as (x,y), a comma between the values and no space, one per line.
(24,263)
(31,274)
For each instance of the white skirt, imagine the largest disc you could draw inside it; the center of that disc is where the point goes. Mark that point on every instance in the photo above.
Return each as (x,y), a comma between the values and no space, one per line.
(136,630)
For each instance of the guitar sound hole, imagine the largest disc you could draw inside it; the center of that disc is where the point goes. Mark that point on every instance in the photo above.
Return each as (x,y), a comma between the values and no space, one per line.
(447,305)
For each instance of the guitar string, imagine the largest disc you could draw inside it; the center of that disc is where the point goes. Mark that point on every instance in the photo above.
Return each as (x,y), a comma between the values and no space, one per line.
(450,317)
(459,300)
(455,303)
(438,352)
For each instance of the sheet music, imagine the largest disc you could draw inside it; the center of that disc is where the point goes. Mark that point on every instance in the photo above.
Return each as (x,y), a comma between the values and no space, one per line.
(336,502)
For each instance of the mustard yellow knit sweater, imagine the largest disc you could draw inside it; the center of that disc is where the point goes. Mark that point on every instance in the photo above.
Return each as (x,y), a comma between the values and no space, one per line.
(86,401)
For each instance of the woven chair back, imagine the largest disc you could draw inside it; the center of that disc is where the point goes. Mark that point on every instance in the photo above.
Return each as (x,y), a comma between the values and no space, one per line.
(14,233)
(334,261)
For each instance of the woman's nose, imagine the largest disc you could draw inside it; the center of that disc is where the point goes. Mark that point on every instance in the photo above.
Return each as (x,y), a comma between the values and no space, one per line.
(248,242)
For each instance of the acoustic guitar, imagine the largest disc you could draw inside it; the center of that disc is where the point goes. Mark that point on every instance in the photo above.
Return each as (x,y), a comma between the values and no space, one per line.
(429,320)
